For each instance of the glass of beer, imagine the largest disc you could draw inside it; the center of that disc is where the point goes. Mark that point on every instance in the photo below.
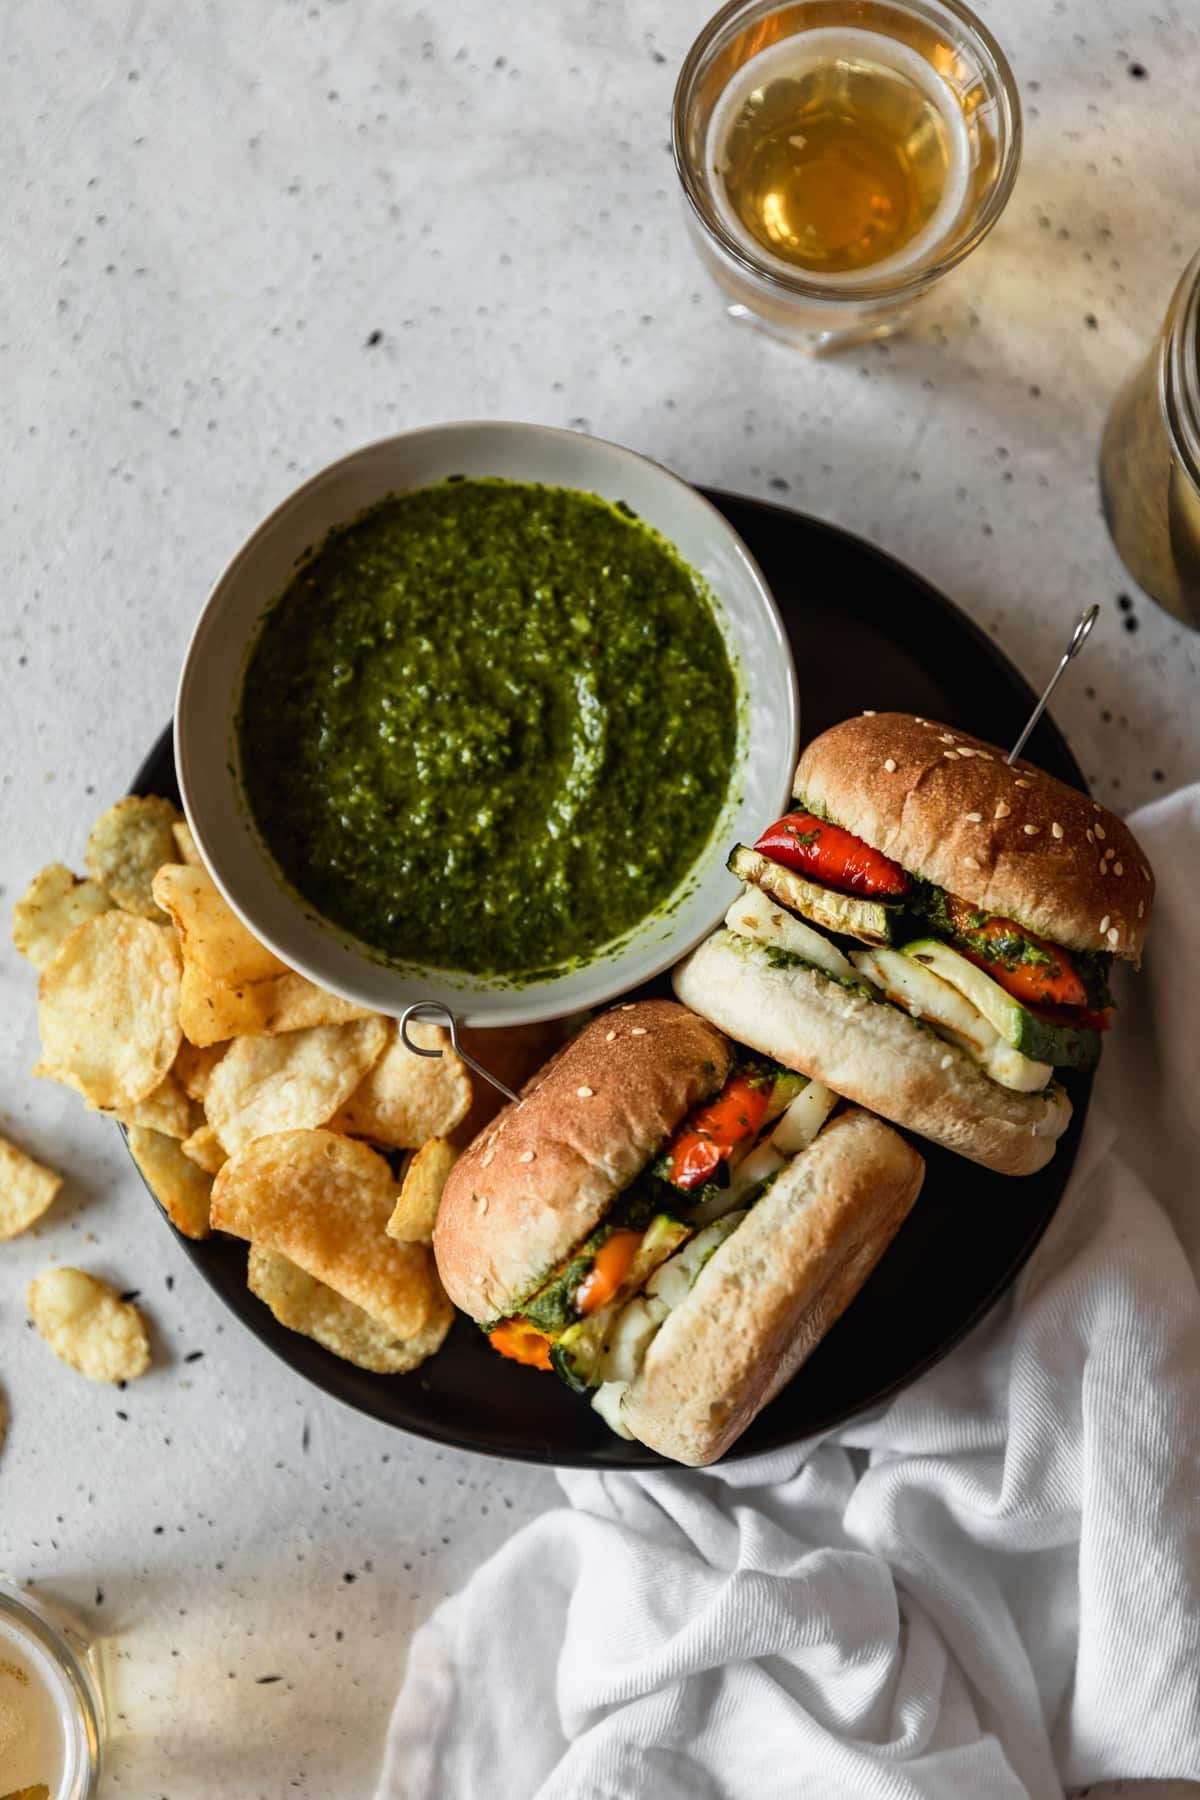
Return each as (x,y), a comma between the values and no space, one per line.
(837,157)
(51,1712)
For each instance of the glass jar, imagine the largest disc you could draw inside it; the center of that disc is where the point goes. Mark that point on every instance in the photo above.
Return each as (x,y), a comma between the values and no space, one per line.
(1150,461)
(51,1712)
(946,54)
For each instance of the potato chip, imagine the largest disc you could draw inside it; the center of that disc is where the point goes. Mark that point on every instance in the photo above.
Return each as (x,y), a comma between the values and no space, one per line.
(324,1201)
(88,1325)
(210,932)
(108,1009)
(166,1109)
(296,1004)
(210,1011)
(406,1098)
(178,1183)
(204,1148)
(304,1304)
(26,1189)
(128,843)
(421,1192)
(53,904)
(193,1067)
(185,845)
(265,1084)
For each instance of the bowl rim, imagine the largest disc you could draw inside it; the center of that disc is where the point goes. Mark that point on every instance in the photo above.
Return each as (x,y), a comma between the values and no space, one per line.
(506,1007)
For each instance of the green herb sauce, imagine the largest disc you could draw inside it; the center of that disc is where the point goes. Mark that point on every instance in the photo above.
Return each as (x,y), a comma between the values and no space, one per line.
(489,726)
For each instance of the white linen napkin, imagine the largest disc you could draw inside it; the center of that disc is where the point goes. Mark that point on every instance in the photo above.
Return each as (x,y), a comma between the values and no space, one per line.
(988,1589)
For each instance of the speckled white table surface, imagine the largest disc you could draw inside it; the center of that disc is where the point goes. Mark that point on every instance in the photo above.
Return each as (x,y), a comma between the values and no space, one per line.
(240,240)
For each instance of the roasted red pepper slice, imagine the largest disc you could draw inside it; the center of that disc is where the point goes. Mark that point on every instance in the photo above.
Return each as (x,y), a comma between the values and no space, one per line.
(713,1131)
(609,1269)
(832,856)
(1055,982)
(517,1339)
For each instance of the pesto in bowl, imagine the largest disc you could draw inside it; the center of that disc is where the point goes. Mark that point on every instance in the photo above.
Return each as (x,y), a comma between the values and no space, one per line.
(489,726)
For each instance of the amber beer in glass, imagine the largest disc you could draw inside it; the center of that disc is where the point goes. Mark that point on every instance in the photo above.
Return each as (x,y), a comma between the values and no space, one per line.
(839,156)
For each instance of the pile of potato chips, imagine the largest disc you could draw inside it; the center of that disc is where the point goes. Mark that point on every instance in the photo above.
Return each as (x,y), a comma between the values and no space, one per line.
(254,1102)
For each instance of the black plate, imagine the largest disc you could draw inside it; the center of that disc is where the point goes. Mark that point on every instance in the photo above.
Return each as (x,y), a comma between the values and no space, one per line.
(865,632)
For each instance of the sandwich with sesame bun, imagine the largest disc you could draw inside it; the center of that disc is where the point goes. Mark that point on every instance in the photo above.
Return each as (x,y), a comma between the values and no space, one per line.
(931,933)
(670,1223)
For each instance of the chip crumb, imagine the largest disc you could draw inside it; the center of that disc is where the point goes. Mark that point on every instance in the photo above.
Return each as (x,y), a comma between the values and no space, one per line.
(87,1325)
(27,1188)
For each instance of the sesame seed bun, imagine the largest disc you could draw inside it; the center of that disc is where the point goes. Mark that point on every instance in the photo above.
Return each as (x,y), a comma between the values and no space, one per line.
(1012,841)
(872,1052)
(532,1186)
(764,1301)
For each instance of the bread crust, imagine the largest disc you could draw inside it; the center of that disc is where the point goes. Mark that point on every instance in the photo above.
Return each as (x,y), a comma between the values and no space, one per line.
(871,1052)
(764,1301)
(531,1187)
(929,796)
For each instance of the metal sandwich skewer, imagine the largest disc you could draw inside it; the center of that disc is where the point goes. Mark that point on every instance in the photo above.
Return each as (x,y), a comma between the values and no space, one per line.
(433,1012)
(1079,638)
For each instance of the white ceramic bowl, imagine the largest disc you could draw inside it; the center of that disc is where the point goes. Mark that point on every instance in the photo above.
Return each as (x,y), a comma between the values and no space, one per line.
(206,747)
